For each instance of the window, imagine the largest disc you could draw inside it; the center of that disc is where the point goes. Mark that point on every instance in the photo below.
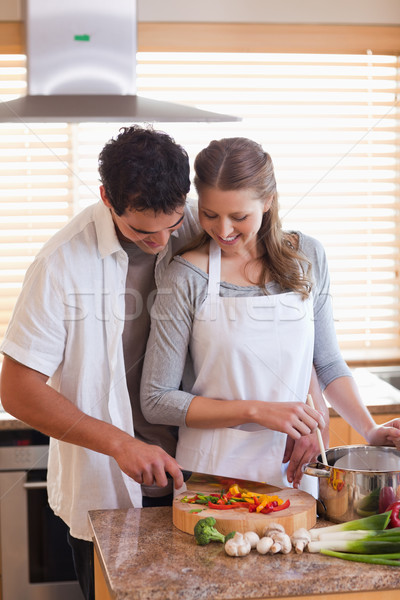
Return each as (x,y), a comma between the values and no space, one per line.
(331,125)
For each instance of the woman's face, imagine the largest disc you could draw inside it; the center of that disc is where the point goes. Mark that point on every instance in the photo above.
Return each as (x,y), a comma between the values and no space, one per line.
(232,218)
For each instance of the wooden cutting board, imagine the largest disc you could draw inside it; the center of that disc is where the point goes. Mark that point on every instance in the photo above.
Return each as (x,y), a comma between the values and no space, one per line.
(301,513)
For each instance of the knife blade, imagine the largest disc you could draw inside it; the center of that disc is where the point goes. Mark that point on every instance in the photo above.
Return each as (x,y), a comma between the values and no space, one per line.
(222,483)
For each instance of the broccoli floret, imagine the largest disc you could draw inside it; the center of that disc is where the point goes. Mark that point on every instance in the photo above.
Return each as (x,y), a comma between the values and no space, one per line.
(230,535)
(205,532)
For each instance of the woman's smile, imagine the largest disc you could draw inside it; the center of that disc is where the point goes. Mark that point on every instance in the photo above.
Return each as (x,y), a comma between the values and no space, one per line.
(229,241)
(232,217)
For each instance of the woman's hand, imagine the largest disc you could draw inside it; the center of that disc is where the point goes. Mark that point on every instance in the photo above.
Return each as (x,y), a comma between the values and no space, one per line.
(387,434)
(294,418)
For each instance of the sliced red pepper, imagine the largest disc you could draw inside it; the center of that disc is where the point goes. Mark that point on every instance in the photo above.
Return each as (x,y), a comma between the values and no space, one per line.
(266,510)
(281,506)
(228,506)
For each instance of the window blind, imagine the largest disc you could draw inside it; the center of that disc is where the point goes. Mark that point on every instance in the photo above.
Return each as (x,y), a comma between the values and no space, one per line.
(331,125)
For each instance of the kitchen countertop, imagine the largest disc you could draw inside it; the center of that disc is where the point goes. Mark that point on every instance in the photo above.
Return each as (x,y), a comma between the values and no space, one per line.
(377,394)
(143,556)
(9,422)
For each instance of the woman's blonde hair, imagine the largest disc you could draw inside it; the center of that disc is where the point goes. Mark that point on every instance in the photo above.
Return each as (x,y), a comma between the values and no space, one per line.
(239,163)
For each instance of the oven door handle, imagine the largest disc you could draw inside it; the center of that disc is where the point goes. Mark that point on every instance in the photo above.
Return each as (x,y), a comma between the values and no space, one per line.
(35,485)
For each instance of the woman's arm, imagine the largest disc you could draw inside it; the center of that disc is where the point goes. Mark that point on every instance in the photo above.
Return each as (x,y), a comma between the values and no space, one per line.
(335,377)
(182,293)
(343,395)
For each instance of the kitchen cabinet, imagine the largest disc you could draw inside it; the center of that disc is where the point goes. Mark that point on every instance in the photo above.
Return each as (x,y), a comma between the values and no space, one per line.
(342,434)
(339,432)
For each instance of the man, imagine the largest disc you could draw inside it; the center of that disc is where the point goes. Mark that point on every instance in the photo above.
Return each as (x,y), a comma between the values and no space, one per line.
(81,324)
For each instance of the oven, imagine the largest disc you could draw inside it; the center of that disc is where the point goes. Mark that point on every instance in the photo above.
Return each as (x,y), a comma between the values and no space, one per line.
(36,560)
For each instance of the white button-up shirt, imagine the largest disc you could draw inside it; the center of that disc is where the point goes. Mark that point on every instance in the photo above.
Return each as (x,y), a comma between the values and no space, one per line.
(68,324)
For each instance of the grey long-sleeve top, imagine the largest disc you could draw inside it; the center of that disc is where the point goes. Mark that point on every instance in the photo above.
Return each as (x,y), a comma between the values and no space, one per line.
(167,372)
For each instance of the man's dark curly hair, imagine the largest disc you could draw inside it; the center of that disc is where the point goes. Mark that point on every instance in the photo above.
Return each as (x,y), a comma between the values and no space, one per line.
(144,169)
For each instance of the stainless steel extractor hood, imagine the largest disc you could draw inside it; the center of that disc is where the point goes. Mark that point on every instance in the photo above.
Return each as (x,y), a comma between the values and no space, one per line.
(81,62)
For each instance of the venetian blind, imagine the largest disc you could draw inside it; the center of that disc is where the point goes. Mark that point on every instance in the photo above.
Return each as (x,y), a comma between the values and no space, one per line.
(331,125)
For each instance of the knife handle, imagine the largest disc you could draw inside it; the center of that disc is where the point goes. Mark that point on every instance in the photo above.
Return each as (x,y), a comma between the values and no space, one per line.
(186,475)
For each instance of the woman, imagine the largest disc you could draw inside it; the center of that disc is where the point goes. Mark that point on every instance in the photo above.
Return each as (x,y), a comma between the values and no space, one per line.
(248,306)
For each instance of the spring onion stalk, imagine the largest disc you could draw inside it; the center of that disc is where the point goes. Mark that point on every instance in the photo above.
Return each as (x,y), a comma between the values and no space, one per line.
(356,546)
(377,559)
(343,535)
(362,534)
(374,522)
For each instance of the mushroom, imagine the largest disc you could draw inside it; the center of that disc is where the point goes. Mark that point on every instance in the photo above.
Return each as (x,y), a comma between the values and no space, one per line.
(273,528)
(300,540)
(281,543)
(264,545)
(238,545)
(252,538)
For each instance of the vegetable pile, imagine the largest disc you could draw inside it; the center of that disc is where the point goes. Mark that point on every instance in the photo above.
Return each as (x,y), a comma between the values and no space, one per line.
(374,539)
(238,497)
(274,539)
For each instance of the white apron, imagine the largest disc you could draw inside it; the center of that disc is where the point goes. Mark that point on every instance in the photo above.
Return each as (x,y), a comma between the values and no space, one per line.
(248,348)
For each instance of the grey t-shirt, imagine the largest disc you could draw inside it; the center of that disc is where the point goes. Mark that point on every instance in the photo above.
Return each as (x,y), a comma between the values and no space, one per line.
(183,290)
(139,296)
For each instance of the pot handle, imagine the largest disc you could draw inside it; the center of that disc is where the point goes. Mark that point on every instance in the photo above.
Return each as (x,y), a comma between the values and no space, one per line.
(317,470)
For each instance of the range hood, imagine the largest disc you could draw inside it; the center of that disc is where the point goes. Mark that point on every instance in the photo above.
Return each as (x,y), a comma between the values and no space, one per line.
(81,62)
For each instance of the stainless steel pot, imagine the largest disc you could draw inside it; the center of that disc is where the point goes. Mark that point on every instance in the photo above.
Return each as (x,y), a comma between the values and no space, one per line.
(357,482)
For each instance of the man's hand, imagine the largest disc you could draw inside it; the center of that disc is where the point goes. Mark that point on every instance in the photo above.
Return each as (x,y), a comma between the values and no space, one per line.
(299,452)
(147,464)
(26,395)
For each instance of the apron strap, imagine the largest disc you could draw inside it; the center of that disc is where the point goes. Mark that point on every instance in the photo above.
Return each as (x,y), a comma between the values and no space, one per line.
(214,269)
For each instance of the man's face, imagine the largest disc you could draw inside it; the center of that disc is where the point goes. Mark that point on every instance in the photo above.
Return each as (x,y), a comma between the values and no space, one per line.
(150,231)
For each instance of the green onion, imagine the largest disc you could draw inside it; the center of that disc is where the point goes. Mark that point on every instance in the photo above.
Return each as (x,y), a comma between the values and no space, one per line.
(357,546)
(392,535)
(366,558)
(374,522)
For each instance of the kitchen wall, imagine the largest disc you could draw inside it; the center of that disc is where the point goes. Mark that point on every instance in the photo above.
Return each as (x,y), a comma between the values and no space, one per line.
(368,12)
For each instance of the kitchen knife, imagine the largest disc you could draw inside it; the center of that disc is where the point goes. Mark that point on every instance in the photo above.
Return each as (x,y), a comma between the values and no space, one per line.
(223,483)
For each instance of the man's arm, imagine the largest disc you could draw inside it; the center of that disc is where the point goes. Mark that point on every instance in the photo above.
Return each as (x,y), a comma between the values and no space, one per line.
(305,449)
(25,395)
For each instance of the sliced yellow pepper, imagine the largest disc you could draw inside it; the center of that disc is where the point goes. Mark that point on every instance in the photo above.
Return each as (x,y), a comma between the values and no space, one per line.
(264,499)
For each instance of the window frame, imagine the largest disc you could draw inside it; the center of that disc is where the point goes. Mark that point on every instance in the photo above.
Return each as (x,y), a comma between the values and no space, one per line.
(243,37)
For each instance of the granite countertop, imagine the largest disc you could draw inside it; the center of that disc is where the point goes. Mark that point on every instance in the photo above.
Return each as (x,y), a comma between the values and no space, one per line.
(9,422)
(145,557)
(380,396)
